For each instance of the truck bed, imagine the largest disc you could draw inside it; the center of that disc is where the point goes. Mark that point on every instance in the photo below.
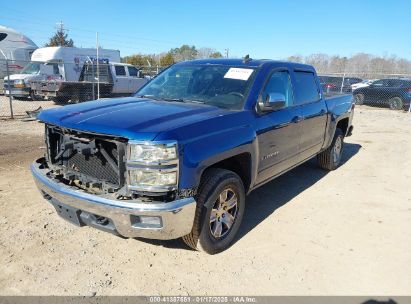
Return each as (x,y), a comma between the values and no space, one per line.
(71,90)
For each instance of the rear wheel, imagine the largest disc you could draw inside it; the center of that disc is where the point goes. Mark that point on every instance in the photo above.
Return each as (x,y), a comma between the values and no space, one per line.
(359,99)
(330,158)
(220,209)
(395,103)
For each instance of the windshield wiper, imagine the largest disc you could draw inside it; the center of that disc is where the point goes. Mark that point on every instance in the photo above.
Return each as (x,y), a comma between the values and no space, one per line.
(170,99)
(180,100)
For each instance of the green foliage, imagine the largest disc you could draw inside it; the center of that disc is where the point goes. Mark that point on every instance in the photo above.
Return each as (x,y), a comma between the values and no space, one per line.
(167,60)
(216,55)
(60,39)
(185,52)
(139,60)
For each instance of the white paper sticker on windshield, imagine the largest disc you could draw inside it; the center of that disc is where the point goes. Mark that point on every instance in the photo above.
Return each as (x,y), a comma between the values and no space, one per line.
(238,73)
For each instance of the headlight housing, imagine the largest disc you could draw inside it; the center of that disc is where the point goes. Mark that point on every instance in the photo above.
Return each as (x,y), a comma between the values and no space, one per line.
(147,153)
(152,167)
(19,83)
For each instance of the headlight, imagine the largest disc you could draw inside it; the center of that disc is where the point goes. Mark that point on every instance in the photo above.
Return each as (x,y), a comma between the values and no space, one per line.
(152,167)
(152,153)
(144,178)
(19,83)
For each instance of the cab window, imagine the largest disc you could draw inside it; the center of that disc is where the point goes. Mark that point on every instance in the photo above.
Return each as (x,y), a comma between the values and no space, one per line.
(132,71)
(306,87)
(280,82)
(120,70)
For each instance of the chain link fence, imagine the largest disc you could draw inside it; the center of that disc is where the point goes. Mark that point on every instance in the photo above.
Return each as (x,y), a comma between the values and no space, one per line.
(392,91)
(28,87)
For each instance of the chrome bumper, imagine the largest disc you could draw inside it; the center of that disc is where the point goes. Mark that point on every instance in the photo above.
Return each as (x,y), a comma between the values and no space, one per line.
(176,217)
(17,92)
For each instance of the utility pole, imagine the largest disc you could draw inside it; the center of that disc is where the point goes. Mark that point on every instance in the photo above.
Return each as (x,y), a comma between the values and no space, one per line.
(226,52)
(98,69)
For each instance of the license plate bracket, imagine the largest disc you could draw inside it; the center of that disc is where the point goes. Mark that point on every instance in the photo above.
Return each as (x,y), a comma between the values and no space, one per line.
(68,213)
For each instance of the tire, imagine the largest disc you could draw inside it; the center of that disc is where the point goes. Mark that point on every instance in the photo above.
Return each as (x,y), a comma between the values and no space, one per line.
(330,158)
(359,99)
(59,100)
(395,103)
(206,234)
(33,96)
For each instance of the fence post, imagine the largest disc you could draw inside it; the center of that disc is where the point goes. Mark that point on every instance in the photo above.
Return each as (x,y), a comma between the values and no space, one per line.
(92,79)
(342,83)
(9,86)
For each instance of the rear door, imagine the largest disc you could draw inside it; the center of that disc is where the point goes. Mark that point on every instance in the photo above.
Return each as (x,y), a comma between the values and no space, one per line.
(313,111)
(376,92)
(120,79)
(278,132)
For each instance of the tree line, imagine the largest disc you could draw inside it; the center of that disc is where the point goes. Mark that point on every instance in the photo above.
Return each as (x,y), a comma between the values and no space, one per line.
(362,64)
(185,52)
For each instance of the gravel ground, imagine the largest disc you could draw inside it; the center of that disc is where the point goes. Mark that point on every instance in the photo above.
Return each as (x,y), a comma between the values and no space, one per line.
(306,233)
(21,106)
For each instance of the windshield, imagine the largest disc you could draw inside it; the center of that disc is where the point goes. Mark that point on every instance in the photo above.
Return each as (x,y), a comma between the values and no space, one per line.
(31,68)
(217,85)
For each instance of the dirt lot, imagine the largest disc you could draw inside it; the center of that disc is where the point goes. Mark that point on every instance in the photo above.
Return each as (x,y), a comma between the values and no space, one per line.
(21,106)
(306,233)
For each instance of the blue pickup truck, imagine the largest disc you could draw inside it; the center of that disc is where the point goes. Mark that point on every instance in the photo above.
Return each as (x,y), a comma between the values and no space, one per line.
(178,158)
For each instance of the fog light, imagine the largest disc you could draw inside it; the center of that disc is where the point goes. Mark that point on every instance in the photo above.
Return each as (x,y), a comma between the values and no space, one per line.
(144,221)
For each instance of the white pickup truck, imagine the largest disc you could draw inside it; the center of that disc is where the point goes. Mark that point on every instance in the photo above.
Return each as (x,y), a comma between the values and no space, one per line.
(102,80)
(48,63)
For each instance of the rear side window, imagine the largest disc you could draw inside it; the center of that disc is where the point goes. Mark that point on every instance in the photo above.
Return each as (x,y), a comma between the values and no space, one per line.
(306,89)
(395,83)
(120,70)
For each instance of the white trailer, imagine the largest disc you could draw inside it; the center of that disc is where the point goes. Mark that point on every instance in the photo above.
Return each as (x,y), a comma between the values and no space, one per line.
(15,48)
(55,63)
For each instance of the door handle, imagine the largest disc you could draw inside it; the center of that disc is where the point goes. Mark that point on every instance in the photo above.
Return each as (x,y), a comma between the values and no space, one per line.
(296,119)
(322,112)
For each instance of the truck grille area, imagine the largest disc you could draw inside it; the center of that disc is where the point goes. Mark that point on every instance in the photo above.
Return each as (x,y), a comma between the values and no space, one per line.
(93,166)
(90,161)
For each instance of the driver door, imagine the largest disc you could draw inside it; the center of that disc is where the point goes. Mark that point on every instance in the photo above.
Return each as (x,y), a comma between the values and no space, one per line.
(278,132)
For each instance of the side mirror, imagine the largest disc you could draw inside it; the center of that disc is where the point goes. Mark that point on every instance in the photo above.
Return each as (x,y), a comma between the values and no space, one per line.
(274,101)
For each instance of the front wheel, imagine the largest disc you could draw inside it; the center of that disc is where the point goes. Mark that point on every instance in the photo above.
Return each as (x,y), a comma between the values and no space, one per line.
(330,158)
(220,209)
(359,99)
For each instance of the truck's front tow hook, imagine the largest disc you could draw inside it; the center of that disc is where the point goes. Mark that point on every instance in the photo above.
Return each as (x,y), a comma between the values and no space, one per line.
(101,220)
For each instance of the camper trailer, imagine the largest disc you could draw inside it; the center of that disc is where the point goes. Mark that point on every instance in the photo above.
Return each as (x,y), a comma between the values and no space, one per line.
(54,63)
(17,49)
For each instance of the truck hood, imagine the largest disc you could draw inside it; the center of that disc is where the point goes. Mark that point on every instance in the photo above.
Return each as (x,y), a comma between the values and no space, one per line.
(131,117)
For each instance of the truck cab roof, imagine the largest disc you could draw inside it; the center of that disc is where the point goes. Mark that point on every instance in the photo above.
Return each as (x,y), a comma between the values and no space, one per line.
(251,63)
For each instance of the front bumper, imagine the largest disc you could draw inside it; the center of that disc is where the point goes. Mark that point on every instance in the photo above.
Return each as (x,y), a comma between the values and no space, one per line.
(17,92)
(122,216)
